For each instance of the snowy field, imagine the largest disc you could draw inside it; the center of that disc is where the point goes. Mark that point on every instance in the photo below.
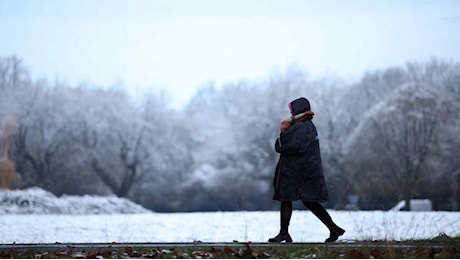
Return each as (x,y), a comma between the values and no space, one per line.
(55,224)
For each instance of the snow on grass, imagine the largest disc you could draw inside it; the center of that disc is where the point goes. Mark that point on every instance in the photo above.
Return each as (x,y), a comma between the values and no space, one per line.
(38,201)
(255,226)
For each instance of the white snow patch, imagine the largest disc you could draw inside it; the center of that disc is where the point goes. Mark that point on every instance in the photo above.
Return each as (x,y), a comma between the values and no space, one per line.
(38,201)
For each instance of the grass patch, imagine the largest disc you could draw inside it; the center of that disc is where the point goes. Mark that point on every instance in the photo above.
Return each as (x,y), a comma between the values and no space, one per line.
(441,238)
(441,246)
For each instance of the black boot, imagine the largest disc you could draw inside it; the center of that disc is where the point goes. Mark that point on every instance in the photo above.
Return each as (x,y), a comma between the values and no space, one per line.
(285,218)
(335,232)
(321,213)
(280,238)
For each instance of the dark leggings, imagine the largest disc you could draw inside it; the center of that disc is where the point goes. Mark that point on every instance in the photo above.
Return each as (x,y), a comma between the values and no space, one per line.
(316,208)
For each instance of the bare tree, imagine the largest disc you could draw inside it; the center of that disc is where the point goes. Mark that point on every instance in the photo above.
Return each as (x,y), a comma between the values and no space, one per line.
(389,150)
(13,73)
(342,107)
(48,137)
(117,136)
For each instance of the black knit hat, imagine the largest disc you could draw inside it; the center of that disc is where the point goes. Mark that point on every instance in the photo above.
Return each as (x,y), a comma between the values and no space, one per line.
(299,105)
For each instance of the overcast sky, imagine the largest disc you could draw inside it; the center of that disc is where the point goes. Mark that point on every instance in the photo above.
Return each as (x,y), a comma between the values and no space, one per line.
(180,45)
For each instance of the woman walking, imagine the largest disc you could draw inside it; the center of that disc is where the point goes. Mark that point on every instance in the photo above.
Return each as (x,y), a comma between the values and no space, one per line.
(299,172)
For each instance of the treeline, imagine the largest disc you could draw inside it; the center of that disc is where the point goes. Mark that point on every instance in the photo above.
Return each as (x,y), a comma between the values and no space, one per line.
(391,135)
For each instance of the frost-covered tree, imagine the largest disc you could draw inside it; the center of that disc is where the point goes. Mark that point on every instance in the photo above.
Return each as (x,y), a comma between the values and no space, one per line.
(49,138)
(235,131)
(13,73)
(330,123)
(28,102)
(447,76)
(390,149)
(342,106)
(444,186)
(216,150)
(117,137)
(17,92)
(170,162)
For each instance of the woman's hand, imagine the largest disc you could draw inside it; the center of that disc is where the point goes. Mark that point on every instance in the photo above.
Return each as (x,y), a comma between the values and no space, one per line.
(284,126)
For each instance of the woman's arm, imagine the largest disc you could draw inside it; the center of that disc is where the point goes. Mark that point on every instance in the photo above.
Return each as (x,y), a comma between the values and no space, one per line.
(296,139)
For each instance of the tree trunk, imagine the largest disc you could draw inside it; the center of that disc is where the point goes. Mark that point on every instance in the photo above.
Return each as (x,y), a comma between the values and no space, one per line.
(454,187)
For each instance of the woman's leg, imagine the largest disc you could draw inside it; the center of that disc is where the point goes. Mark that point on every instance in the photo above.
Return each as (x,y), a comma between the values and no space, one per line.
(285,218)
(321,213)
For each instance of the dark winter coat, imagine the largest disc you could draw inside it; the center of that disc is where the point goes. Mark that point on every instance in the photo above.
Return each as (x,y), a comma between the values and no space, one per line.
(299,172)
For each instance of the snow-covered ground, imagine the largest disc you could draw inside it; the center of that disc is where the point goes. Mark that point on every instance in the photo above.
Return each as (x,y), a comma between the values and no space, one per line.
(39,201)
(51,224)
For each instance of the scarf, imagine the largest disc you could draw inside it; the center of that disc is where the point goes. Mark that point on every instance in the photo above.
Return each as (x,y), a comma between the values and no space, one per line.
(307,116)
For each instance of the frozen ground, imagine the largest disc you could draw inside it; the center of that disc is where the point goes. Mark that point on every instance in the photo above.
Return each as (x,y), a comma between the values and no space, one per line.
(46,226)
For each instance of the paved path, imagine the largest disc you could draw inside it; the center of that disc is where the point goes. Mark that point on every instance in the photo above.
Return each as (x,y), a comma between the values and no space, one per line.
(83,246)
